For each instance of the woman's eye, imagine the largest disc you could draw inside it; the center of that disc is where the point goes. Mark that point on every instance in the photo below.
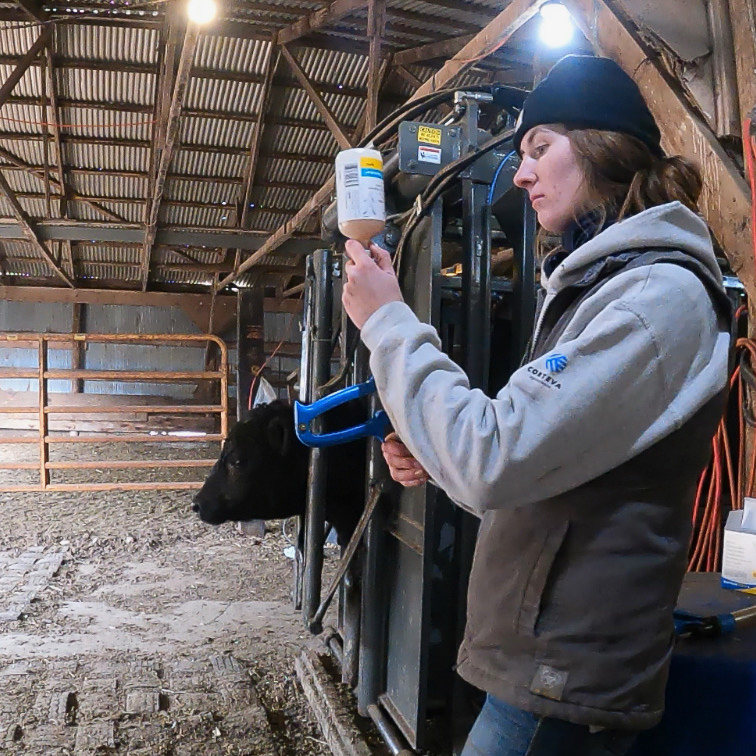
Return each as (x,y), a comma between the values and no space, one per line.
(538,151)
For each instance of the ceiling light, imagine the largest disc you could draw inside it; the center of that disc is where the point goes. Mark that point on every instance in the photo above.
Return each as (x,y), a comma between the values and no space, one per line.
(201,11)
(556,25)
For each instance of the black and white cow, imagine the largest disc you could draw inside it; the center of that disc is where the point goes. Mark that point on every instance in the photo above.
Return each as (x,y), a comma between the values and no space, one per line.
(262,475)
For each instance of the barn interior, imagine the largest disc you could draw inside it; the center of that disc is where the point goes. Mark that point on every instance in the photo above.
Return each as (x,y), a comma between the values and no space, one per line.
(170,260)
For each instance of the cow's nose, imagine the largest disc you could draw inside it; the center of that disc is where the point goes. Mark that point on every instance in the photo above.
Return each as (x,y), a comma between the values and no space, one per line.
(196,504)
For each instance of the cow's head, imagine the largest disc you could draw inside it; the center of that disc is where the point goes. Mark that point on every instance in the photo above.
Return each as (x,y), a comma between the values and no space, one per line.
(261,473)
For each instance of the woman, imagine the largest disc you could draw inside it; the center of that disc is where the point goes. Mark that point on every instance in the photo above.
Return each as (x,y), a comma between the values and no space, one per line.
(583,468)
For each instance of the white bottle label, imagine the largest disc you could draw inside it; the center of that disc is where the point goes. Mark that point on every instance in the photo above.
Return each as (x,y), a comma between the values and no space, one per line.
(359,188)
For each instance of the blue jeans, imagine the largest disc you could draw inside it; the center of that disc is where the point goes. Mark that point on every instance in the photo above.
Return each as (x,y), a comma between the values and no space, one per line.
(504,730)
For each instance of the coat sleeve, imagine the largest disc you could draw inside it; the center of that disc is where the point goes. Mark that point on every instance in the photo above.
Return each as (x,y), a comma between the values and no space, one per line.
(605,394)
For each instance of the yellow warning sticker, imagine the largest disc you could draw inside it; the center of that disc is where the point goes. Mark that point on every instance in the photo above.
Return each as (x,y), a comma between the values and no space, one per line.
(428,135)
(370,162)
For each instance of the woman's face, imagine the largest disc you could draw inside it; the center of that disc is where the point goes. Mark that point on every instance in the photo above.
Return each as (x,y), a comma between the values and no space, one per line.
(550,174)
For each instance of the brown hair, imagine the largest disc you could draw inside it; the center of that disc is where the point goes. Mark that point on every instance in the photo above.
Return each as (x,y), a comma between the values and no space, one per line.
(623,177)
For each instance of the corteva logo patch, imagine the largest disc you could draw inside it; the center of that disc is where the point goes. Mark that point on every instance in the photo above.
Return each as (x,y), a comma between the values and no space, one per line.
(544,378)
(556,363)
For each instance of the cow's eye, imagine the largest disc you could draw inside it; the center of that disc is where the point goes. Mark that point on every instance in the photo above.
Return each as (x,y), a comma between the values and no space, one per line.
(234,462)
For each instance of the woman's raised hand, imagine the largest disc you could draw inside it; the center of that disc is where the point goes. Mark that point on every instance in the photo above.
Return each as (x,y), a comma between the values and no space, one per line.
(370,281)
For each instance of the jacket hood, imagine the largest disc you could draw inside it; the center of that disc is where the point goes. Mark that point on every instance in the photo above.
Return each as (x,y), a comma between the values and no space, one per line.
(669,226)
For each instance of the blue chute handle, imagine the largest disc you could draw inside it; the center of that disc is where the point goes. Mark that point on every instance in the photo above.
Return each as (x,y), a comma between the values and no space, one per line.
(304,414)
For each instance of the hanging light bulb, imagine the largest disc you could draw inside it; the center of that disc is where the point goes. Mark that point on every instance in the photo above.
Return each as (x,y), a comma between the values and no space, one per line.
(556,25)
(201,11)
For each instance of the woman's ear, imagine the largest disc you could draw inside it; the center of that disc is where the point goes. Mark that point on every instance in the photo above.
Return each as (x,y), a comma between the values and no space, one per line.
(279,435)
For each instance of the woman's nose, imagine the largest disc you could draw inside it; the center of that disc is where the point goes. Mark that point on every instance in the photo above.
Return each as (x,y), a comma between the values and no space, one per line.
(524,175)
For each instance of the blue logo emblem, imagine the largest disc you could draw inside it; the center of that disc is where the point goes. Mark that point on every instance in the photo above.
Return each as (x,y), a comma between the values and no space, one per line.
(556,363)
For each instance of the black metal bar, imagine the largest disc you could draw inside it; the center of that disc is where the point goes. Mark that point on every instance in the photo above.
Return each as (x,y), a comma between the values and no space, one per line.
(523,281)
(476,267)
(388,732)
(316,490)
(305,396)
(372,649)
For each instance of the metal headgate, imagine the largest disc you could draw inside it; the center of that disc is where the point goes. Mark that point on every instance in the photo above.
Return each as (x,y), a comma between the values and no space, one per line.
(42,373)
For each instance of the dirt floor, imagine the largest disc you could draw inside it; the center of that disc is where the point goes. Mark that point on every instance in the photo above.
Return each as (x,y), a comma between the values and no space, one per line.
(127,626)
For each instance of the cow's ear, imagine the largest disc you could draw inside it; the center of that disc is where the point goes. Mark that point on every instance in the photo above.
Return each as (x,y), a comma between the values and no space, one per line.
(279,435)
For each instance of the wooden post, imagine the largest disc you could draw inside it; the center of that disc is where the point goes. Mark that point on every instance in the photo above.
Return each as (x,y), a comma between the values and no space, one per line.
(250,346)
(44,473)
(77,353)
(250,339)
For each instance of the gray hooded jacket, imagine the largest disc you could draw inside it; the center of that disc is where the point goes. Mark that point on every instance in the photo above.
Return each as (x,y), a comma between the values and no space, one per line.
(576,570)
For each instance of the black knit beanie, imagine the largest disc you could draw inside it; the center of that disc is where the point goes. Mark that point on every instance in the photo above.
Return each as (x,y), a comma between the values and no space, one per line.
(581,91)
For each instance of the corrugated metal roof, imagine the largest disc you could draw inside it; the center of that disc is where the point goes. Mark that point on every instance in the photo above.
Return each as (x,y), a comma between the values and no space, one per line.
(105,71)
(228,54)
(28,86)
(295,171)
(107,185)
(216,132)
(193,216)
(112,157)
(304,141)
(217,94)
(106,85)
(188,161)
(17,38)
(282,199)
(220,193)
(110,43)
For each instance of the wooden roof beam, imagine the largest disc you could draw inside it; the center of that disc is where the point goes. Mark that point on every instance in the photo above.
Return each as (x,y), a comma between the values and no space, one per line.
(317,100)
(23,64)
(167,143)
(54,127)
(319,19)
(245,196)
(488,39)
(29,231)
(376,23)
(725,200)
(444,48)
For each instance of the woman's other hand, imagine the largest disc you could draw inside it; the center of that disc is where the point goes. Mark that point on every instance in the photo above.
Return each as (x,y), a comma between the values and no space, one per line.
(370,282)
(404,468)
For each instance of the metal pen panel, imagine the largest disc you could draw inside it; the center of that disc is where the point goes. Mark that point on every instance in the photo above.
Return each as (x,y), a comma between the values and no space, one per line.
(46,412)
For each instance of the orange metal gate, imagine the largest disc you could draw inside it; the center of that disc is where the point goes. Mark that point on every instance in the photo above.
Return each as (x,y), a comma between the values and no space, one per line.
(43,410)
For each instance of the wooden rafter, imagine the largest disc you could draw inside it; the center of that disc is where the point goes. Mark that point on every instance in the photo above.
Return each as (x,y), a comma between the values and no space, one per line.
(167,143)
(23,64)
(514,16)
(319,19)
(744,41)
(383,72)
(6,136)
(55,130)
(242,77)
(29,232)
(317,100)
(250,173)
(725,200)
(445,48)
(375,26)
(491,37)
(408,76)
